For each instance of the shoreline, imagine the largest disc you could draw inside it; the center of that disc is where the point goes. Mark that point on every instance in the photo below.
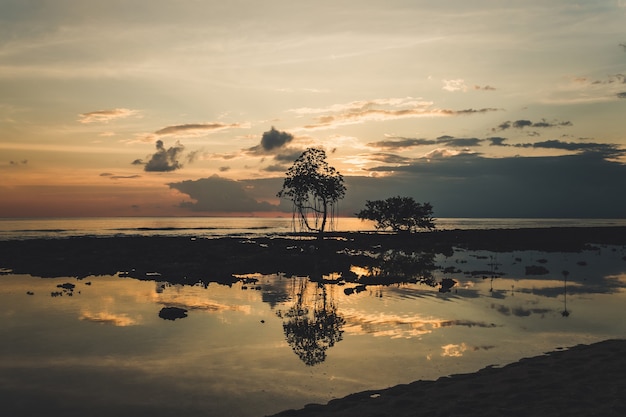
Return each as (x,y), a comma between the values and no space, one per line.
(583,380)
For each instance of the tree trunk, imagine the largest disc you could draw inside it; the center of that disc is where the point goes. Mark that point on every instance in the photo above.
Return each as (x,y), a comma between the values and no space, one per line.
(320,236)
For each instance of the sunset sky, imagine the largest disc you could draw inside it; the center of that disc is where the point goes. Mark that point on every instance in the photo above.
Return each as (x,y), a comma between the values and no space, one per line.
(158,107)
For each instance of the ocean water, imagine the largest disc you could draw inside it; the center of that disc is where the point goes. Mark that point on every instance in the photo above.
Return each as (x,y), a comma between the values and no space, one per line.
(100,345)
(207,227)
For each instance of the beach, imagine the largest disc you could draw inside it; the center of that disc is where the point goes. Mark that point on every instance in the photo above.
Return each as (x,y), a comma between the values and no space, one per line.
(584,380)
(569,380)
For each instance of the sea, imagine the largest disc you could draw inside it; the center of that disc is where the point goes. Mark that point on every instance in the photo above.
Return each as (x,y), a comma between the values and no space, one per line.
(212,227)
(101,345)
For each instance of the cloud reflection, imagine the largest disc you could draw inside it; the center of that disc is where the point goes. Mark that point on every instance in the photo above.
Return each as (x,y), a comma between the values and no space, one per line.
(396,326)
(102,317)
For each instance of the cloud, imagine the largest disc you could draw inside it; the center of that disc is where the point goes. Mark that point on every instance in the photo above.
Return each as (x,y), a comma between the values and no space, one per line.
(276,168)
(583,185)
(163,160)
(218,194)
(484,88)
(196,129)
(22,162)
(454,85)
(119,320)
(612,79)
(497,141)
(105,116)
(273,139)
(118,177)
(403,143)
(276,142)
(621,95)
(388,158)
(521,124)
(379,110)
(604,149)
(459,85)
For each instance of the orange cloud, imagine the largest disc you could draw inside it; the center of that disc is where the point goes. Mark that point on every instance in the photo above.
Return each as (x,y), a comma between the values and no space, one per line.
(105,116)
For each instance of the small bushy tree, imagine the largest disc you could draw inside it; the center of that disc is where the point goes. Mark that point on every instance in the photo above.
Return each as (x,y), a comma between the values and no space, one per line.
(399,214)
(314,187)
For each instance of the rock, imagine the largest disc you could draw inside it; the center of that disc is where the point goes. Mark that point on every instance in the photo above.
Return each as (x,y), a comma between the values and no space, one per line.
(172,313)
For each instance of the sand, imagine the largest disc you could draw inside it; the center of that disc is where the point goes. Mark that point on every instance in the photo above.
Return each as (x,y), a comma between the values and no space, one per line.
(585,380)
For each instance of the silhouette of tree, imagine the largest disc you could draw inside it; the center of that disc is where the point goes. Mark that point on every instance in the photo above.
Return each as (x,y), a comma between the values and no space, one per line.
(399,214)
(311,329)
(314,187)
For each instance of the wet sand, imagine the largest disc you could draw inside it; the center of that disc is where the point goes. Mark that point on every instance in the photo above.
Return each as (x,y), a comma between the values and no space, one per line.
(585,380)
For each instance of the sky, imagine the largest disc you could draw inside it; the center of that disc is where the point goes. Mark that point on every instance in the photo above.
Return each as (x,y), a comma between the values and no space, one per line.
(198,107)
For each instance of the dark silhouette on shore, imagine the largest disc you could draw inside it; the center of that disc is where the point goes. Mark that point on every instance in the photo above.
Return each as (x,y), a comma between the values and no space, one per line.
(190,261)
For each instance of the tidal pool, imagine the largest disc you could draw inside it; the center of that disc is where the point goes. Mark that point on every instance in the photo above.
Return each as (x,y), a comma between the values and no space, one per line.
(98,346)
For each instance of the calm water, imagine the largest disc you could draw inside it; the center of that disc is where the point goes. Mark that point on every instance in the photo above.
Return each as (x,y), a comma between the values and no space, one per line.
(271,342)
(238,226)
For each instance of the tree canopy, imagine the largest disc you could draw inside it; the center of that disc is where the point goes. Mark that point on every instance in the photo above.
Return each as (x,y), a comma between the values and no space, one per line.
(399,214)
(314,187)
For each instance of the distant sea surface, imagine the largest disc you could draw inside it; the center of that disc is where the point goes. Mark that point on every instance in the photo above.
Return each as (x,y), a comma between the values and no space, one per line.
(211,227)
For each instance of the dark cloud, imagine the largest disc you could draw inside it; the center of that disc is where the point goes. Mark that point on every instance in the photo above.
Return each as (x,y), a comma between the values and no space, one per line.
(402,143)
(273,140)
(585,185)
(288,155)
(459,142)
(521,124)
(163,160)
(118,177)
(621,95)
(276,168)
(604,149)
(22,162)
(497,141)
(217,194)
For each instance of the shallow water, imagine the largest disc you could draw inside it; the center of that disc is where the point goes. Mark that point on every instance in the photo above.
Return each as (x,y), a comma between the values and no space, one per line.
(272,342)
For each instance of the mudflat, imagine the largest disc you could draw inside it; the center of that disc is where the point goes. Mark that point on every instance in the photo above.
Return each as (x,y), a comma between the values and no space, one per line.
(585,380)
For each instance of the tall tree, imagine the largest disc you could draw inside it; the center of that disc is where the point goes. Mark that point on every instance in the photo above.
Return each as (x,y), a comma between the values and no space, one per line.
(314,187)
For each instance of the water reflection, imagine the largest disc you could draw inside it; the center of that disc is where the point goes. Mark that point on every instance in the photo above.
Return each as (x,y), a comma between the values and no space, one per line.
(312,325)
(393,322)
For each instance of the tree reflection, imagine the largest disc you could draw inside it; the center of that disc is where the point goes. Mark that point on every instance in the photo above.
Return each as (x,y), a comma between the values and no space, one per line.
(312,326)
(565,313)
(395,266)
